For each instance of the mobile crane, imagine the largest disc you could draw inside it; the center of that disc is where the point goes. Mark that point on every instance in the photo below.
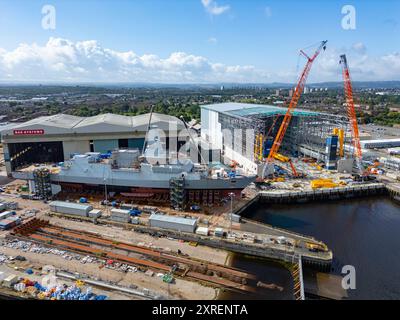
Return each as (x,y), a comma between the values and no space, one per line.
(273,154)
(359,173)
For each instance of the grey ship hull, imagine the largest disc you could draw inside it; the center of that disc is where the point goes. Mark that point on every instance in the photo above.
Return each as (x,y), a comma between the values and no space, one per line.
(240,182)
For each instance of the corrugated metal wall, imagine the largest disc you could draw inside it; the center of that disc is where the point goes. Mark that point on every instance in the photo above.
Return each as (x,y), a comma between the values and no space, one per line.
(104,146)
(136,143)
(72,147)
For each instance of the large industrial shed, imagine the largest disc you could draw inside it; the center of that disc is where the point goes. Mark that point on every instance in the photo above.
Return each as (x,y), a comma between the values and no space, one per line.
(52,139)
(306,135)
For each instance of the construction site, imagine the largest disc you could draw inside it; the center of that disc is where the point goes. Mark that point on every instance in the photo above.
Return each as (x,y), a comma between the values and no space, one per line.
(107,219)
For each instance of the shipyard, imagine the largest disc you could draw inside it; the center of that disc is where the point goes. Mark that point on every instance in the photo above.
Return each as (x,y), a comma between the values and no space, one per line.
(112,200)
(158,204)
(131,175)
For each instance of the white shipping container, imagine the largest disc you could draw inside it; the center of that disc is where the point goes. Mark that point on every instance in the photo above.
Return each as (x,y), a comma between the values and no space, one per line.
(95,213)
(6,214)
(219,232)
(70,208)
(119,212)
(203,231)
(174,223)
(10,280)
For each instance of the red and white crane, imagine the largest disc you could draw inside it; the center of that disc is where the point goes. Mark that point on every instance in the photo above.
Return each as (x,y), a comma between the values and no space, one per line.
(273,154)
(351,112)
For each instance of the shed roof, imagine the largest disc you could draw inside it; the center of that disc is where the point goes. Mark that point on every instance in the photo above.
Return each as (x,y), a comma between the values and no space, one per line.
(72,205)
(171,219)
(64,123)
(248,109)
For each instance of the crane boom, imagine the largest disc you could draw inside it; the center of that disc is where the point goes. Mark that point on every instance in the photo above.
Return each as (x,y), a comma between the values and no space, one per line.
(294,101)
(351,111)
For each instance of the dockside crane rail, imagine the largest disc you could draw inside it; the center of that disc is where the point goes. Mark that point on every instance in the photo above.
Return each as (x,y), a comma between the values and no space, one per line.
(293,104)
(351,111)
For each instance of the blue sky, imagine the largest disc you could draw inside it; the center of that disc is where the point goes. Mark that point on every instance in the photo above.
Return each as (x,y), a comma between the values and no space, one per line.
(218,40)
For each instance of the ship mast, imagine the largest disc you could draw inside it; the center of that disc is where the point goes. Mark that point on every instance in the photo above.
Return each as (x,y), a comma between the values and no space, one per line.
(148,129)
(191,138)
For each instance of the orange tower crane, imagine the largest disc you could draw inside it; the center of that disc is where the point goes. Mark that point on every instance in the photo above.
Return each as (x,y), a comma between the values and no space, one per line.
(351,111)
(273,154)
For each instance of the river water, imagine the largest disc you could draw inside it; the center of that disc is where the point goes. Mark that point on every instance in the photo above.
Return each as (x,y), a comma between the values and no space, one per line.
(364,233)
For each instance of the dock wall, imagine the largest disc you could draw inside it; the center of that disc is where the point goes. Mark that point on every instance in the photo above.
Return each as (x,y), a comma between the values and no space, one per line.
(264,251)
(324,194)
(394,192)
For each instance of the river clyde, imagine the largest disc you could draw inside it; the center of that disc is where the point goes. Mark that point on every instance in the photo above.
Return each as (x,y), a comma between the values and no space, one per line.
(364,233)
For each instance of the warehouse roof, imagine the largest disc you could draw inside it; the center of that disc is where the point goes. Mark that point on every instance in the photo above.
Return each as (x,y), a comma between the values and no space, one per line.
(103,123)
(248,109)
(171,219)
(381,142)
(71,205)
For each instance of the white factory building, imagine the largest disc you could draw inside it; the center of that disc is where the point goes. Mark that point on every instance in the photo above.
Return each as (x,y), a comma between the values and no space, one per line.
(380,144)
(235,127)
(52,139)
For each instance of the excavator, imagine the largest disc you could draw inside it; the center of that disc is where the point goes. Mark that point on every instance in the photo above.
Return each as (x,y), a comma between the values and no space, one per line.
(273,154)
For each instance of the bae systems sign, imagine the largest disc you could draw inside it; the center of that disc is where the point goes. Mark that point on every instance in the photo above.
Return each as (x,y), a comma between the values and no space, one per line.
(28,132)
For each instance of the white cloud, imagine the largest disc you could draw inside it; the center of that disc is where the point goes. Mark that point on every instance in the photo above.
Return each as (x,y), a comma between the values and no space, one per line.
(362,66)
(213,40)
(213,8)
(87,61)
(359,47)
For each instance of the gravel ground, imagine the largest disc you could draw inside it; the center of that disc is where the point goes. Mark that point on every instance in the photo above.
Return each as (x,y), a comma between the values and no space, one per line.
(200,252)
(182,289)
(10,269)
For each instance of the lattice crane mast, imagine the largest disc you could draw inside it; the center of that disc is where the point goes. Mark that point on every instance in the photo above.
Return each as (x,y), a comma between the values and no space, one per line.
(273,154)
(351,111)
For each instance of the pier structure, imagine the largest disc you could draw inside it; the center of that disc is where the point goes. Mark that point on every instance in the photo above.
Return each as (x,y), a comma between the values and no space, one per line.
(344,192)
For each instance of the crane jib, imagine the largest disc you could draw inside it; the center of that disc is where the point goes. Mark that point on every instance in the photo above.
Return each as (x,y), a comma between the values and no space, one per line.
(293,103)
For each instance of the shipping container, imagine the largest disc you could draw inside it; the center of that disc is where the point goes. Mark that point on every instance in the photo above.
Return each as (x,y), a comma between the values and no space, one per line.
(219,232)
(10,280)
(6,214)
(120,215)
(70,208)
(9,223)
(173,223)
(203,231)
(95,213)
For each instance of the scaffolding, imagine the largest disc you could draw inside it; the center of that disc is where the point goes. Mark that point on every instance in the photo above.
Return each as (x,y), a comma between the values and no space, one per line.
(306,135)
(41,179)
(177,193)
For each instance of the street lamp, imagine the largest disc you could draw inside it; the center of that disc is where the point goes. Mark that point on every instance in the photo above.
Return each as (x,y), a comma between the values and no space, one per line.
(231,195)
(106,194)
